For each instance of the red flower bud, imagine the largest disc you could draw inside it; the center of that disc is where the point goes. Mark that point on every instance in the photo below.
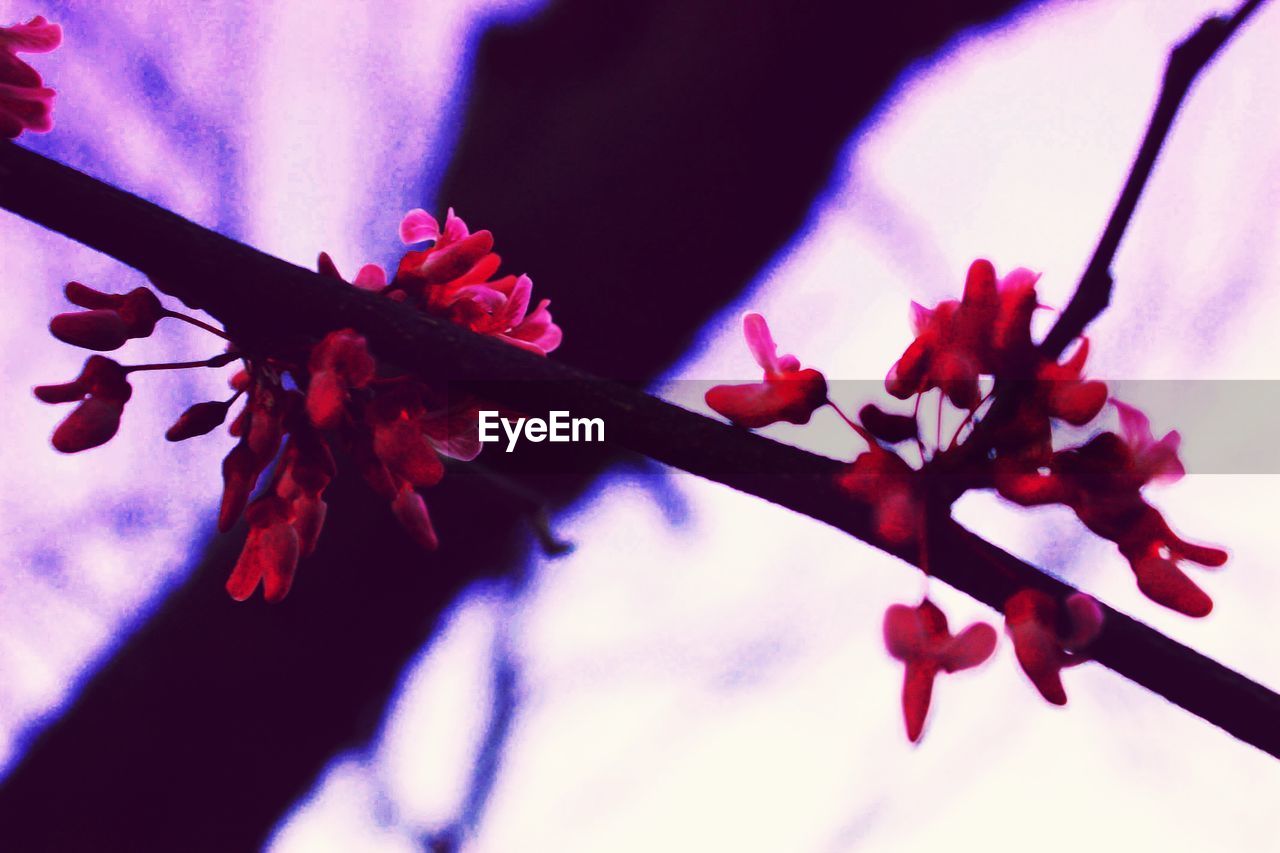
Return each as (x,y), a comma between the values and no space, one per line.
(887,426)
(100,329)
(92,423)
(104,390)
(200,419)
(25,102)
(111,319)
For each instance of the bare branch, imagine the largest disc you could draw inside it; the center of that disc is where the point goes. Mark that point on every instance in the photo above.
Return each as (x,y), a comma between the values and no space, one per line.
(1186,61)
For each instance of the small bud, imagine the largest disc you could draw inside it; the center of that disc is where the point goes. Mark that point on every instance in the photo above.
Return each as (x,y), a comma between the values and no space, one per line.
(200,419)
(140,309)
(98,329)
(91,424)
(887,426)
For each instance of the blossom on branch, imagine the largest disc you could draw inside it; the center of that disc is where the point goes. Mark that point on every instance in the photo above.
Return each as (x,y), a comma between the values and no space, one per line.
(396,427)
(1048,637)
(102,390)
(787,393)
(454,278)
(988,329)
(918,637)
(883,479)
(986,336)
(110,319)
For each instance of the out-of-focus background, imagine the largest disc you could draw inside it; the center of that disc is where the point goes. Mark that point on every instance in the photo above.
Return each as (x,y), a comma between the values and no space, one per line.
(704,671)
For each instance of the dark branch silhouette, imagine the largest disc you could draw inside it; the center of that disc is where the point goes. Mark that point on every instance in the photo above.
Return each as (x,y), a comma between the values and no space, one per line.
(1186,61)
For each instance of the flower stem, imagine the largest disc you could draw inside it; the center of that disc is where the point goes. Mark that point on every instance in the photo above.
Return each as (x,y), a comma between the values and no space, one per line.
(843,416)
(216,361)
(969,417)
(213,330)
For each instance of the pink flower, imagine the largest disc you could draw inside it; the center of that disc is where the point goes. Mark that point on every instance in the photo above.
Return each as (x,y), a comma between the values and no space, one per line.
(1024,442)
(102,389)
(1153,461)
(452,279)
(260,427)
(501,309)
(406,439)
(1064,395)
(988,331)
(306,467)
(240,470)
(25,102)
(893,490)
(918,637)
(1048,637)
(786,394)
(395,426)
(418,226)
(402,446)
(339,364)
(111,319)
(1102,482)
(270,554)
(1155,553)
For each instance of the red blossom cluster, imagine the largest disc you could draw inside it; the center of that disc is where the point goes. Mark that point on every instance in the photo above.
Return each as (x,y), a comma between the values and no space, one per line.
(984,340)
(334,394)
(25,102)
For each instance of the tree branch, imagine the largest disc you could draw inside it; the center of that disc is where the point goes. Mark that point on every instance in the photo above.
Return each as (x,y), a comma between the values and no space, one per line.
(1093,292)
(267,302)
(1186,61)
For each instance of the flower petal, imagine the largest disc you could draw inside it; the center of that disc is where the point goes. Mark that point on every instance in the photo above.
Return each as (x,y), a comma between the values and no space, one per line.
(969,648)
(760,342)
(418,226)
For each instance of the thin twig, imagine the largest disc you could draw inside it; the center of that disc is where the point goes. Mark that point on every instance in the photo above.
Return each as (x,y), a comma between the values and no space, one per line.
(1186,61)
(1093,292)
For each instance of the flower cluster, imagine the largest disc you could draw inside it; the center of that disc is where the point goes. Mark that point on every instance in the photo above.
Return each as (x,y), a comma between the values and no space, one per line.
(978,353)
(394,426)
(25,102)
